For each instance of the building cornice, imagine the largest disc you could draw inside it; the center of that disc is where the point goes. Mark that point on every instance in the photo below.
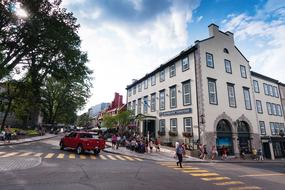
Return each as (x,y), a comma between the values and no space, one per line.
(258,75)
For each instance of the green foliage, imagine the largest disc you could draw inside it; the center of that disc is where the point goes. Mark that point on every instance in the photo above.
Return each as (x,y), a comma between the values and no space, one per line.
(83,120)
(109,121)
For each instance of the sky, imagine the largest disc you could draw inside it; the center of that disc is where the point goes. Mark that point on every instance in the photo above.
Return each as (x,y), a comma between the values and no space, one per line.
(125,39)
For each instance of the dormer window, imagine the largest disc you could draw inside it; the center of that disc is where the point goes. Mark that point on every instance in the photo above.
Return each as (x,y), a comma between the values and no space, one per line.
(226,51)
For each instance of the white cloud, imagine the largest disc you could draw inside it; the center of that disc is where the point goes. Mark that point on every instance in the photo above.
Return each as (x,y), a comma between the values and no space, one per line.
(199,18)
(120,52)
(263,35)
(66,3)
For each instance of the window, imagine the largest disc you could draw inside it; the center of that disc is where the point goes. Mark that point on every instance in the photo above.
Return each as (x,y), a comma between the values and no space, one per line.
(262,128)
(72,135)
(247,101)
(259,106)
(186,88)
(273,109)
(255,86)
(139,87)
(268,105)
(212,91)
(153,80)
(243,71)
(172,91)
(226,51)
(162,125)
(152,102)
(185,64)
(270,90)
(209,60)
(162,100)
(129,92)
(134,90)
(145,104)
(231,95)
(265,86)
(134,107)
(272,128)
(278,110)
(162,75)
(187,124)
(139,106)
(173,125)
(129,106)
(275,92)
(172,71)
(145,83)
(228,66)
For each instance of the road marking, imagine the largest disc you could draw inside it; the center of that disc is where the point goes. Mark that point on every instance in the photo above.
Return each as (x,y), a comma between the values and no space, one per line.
(195,171)
(261,175)
(229,183)
(120,157)
(204,174)
(38,154)
(215,178)
(72,156)
(9,154)
(138,159)
(128,158)
(50,155)
(111,157)
(245,188)
(93,157)
(187,168)
(102,157)
(82,157)
(26,154)
(60,156)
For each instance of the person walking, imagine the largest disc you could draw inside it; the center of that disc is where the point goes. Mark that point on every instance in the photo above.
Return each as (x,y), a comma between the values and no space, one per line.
(157,145)
(224,153)
(214,152)
(150,146)
(260,154)
(114,141)
(179,153)
(118,141)
(205,153)
(8,134)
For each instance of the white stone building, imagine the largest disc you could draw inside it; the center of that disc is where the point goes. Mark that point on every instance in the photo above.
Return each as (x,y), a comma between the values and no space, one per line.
(205,90)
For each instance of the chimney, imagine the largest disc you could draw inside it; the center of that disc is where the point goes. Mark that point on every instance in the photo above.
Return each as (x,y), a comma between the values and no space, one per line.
(213,30)
(230,34)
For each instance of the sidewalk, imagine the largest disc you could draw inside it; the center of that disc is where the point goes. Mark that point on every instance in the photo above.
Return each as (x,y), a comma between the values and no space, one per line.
(27,140)
(167,154)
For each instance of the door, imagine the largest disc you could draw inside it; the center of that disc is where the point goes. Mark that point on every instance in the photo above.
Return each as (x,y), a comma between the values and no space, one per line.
(266,150)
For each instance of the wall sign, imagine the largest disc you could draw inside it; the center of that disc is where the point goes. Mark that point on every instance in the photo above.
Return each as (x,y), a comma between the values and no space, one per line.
(175,112)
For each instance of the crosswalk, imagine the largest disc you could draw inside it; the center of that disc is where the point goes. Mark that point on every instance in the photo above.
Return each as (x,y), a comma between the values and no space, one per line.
(211,177)
(70,156)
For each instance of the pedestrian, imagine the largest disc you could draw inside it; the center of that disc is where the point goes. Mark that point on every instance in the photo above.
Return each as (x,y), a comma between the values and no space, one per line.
(8,134)
(179,153)
(214,152)
(260,154)
(242,154)
(224,153)
(254,153)
(205,153)
(114,141)
(118,141)
(157,145)
(150,146)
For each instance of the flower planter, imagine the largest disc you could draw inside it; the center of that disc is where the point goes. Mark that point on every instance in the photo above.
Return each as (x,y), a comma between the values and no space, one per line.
(161,133)
(187,134)
(173,134)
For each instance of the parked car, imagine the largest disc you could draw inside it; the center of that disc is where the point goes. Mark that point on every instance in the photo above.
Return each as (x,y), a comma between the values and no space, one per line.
(81,141)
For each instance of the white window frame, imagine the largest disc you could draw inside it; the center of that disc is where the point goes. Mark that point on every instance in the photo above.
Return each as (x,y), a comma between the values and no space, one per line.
(145,104)
(172,70)
(259,106)
(256,86)
(185,64)
(173,125)
(247,99)
(172,97)
(162,125)
(262,128)
(153,102)
(139,108)
(231,95)
(212,93)
(162,100)
(210,60)
(139,87)
(153,80)
(187,128)
(145,83)
(162,75)
(186,94)
(134,90)
(243,71)
(228,66)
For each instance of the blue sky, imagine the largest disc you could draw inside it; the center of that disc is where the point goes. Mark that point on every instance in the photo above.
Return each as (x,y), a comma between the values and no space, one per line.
(125,39)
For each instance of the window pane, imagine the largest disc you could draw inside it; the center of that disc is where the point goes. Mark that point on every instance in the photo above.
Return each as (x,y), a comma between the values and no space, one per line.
(172,71)
(188,124)
(162,125)
(231,95)
(228,66)
(247,98)
(209,60)
(162,100)
(262,128)
(173,97)
(243,71)
(139,106)
(212,92)
(153,106)
(173,125)
(256,86)
(185,64)
(186,93)
(145,104)
(162,76)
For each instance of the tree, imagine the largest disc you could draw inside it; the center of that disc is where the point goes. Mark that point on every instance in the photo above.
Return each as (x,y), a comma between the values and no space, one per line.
(83,120)
(109,121)
(123,119)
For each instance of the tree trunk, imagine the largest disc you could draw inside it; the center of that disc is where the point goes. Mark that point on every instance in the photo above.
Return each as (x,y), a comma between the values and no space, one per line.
(6,113)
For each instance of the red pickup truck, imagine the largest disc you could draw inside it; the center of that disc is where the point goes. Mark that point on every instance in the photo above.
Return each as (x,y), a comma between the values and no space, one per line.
(81,141)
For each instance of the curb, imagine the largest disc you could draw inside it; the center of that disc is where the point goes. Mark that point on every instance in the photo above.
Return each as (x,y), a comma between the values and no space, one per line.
(237,162)
(17,143)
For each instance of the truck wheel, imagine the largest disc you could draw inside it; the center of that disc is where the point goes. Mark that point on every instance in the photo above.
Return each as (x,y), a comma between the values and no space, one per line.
(61,145)
(96,151)
(79,149)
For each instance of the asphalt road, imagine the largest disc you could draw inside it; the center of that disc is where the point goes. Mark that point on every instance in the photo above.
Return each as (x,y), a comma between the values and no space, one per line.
(42,166)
